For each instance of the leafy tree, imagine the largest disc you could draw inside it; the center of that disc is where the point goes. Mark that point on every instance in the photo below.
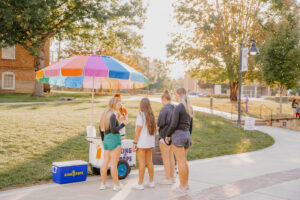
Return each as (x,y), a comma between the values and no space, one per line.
(210,43)
(117,36)
(295,91)
(159,78)
(279,58)
(32,23)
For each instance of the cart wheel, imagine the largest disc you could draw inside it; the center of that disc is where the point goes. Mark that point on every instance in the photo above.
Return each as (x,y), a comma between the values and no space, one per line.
(123,169)
(95,170)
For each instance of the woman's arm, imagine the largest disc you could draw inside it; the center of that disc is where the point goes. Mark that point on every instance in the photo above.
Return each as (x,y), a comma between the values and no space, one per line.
(136,137)
(161,121)
(114,128)
(191,126)
(102,135)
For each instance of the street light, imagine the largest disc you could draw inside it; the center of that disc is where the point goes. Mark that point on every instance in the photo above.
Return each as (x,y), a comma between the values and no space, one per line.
(252,51)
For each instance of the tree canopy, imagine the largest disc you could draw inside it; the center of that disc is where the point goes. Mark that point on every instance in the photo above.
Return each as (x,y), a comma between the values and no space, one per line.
(211,46)
(280,57)
(32,23)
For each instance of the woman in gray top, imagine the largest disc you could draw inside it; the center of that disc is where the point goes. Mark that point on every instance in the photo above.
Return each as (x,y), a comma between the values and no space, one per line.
(163,123)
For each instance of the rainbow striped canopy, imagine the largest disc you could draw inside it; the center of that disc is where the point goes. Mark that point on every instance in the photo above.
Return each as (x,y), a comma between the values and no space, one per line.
(92,71)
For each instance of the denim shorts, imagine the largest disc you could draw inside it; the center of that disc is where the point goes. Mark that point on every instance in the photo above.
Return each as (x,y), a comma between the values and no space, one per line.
(181,138)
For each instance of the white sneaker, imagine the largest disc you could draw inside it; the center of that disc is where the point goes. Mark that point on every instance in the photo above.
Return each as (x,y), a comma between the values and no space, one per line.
(117,188)
(139,187)
(151,184)
(166,182)
(102,186)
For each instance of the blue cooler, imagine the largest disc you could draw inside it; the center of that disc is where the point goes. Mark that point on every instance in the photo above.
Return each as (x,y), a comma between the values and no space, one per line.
(69,171)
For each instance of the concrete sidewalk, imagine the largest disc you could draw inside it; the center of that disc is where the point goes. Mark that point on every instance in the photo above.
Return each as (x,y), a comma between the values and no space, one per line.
(270,174)
(225,115)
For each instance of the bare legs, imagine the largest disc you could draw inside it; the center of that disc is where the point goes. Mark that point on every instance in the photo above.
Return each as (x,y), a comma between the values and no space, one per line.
(149,163)
(145,157)
(104,166)
(168,160)
(112,156)
(183,168)
(115,157)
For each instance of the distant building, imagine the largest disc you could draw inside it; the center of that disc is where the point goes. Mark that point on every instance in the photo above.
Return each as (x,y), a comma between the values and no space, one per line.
(17,73)
(255,90)
(190,84)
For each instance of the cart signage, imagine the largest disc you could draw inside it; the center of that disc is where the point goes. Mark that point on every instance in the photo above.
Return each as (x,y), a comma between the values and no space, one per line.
(126,154)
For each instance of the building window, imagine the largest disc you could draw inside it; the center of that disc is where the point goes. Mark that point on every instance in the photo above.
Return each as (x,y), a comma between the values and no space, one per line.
(8,81)
(8,53)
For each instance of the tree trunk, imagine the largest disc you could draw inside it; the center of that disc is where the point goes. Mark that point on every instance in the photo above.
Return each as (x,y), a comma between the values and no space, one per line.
(39,64)
(234,86)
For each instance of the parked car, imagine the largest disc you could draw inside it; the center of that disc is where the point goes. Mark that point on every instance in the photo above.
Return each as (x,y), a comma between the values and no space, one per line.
(201,94)
(193,93)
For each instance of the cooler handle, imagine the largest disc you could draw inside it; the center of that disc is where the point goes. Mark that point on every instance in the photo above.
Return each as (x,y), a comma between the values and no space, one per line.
(54,169)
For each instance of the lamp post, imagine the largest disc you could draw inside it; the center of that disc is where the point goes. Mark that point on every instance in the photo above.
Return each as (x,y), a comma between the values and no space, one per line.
(252,51)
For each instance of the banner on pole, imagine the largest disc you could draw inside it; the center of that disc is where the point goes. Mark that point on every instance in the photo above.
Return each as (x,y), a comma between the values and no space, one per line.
(245,52)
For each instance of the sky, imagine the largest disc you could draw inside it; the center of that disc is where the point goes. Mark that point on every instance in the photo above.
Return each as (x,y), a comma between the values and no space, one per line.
(157,28)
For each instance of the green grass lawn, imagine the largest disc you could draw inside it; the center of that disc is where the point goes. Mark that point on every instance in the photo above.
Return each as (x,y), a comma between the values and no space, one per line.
(257,108)
(55,96)
(34,136)
(21,97)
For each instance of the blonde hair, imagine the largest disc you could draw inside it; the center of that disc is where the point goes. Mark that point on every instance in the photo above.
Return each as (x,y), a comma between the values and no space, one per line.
(185,100)
(108,111)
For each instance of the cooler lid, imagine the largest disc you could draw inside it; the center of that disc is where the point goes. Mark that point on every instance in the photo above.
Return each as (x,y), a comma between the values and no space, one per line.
(69,163)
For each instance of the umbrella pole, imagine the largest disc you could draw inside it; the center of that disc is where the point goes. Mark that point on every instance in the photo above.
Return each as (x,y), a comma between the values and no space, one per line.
(92,110)
(147,90)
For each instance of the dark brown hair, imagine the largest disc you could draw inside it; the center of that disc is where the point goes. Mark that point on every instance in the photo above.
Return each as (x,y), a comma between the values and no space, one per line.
(145,107)
(166,95)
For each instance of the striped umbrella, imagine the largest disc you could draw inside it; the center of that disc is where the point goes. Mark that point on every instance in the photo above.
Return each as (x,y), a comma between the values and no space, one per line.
(92,71)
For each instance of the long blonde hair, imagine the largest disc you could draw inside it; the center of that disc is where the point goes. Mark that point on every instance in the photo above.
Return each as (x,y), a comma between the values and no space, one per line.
(185,100)
(108,111)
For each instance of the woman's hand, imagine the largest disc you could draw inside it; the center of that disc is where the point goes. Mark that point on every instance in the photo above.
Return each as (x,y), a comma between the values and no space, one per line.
(125,122)
(134,148)
(167,140)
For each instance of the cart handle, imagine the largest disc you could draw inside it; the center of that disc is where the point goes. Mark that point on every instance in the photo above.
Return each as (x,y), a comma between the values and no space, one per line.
(54,169)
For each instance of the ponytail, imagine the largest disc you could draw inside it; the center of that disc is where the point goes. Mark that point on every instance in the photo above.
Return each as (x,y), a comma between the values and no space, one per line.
(166,95)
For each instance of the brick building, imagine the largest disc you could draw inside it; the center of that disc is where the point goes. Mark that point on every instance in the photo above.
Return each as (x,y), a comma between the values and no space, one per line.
(17,74)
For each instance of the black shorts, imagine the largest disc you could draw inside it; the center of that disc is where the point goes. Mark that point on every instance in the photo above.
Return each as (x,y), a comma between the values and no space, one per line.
(181,138)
